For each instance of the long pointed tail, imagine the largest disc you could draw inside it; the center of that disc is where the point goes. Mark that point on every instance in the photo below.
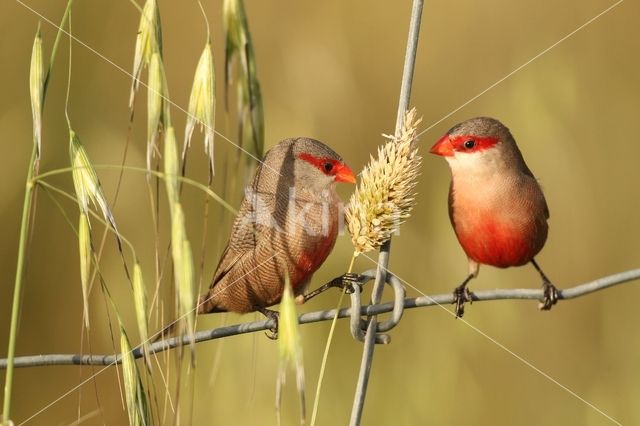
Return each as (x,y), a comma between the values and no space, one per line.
(168,329)
(206,305)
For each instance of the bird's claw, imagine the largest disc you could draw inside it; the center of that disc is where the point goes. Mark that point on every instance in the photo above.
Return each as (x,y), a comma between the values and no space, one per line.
(271,315)
(348,281)
(550,297)
(461,295)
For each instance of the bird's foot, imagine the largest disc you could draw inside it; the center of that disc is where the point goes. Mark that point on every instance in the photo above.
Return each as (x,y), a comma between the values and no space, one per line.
(461,295)
(348,281)
(272,315)
(550,297)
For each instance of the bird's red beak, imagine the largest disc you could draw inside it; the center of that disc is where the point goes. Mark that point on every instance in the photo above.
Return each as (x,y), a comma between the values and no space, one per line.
(443,147)
(344,174)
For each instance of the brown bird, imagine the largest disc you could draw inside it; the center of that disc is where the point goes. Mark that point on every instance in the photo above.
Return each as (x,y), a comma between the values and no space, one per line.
(286,226)
(496,206)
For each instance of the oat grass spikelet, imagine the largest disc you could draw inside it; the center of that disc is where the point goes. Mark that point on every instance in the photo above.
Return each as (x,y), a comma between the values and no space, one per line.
(84,243)
(238,45)
(36,90)
(85,181)
(148,41)
(290,349)
(134,392)
(386,193)
(202,105)
(157,105)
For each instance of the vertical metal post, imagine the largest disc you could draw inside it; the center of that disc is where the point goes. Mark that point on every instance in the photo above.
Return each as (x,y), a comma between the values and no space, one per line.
(383,257)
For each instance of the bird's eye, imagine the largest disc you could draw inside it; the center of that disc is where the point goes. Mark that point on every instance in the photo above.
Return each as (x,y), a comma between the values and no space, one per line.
(469,144)
(327,167)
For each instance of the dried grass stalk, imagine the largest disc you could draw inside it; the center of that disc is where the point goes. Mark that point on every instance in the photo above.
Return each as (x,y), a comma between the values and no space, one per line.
(386,193)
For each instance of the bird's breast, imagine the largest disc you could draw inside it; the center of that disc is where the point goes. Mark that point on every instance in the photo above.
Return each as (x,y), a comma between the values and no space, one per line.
(313,240)
(500,223)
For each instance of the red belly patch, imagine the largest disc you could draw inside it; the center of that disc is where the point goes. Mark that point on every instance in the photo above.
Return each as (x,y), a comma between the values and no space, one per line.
(311,259)
(498,244)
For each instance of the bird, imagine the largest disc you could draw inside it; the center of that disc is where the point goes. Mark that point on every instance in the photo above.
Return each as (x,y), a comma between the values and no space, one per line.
(496,206)
(285,228)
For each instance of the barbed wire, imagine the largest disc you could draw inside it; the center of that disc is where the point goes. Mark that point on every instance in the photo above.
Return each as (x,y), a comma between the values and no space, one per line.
(327,315)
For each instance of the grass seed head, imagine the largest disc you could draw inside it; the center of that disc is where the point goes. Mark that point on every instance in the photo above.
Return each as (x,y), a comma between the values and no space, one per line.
(135,396)
(84,242)
(290,349)
(36,90)
(202,104)
(148,41)
(183,266)
(85,180)
(158,107)
(386,193)
(140,302)
(171,166)
(238,44)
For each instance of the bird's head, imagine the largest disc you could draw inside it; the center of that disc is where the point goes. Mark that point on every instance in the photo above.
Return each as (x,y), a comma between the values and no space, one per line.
(477,143)
(301,164)
(318,167)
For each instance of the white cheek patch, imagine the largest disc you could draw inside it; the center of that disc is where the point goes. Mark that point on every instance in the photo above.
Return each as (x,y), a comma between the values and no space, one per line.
(479,162)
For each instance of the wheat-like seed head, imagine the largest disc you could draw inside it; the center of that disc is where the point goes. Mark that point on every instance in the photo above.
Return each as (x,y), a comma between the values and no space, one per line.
(386,195)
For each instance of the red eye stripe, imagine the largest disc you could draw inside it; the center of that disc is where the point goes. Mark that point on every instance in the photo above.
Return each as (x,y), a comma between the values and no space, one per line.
(321,163)
(330,167)
(470,143)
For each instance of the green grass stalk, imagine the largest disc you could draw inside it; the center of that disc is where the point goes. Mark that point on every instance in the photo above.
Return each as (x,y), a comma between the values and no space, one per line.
(27,209)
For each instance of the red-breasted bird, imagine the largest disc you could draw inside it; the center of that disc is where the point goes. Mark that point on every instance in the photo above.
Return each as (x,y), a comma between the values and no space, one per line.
(287,225)
(496,206)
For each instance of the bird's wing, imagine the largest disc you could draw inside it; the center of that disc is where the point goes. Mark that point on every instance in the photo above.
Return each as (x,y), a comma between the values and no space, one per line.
(529,173)
(247,233)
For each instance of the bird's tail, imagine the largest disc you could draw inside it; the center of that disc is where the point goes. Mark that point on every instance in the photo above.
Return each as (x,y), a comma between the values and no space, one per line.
(168,329)
(206,305)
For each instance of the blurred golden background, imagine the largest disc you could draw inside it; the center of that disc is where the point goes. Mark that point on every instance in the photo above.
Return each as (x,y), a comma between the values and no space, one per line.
(331,70)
